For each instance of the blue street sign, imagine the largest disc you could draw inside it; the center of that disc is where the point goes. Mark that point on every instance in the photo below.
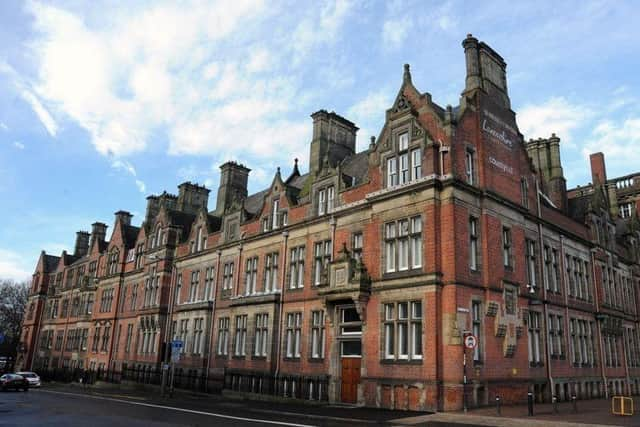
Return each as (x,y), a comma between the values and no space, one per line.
(176,344)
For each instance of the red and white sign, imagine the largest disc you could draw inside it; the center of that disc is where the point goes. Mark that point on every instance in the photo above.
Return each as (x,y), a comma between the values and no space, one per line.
(470,341)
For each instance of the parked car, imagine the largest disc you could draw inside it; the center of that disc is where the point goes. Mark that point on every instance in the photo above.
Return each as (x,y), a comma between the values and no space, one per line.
(14,381)
(32,377)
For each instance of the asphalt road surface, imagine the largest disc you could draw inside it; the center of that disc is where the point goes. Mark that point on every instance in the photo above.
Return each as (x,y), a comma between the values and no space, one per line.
(61,408)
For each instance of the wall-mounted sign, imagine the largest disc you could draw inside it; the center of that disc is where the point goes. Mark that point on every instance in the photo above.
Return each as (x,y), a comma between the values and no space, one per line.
(501,165)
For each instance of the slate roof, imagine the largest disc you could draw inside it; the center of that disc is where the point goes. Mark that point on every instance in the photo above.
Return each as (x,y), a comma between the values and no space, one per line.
(254,202)
(357,166)
(130,235)
(50,263)
(182,219)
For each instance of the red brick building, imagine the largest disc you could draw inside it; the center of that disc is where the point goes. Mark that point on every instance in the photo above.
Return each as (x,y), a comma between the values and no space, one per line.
(359,280)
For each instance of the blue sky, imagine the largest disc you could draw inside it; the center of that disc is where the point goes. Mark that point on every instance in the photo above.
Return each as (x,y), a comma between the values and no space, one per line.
(104,103)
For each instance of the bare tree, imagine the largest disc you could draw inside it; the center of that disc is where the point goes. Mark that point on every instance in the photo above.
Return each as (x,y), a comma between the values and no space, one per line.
(13,300)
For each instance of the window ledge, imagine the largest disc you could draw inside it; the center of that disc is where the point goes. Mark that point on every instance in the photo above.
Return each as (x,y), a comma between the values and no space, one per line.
(401,361)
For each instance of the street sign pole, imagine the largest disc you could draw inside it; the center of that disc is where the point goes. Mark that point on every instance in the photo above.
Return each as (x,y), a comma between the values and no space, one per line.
(468,341)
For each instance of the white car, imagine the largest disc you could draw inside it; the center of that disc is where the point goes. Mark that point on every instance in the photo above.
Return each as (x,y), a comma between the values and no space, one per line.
(32,377)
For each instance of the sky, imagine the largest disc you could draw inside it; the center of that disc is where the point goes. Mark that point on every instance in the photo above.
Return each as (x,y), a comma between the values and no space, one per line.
(105,102)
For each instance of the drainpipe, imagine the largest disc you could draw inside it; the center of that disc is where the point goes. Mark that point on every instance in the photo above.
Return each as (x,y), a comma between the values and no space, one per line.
(545,302)
(115,317)
(333,223)
(211,324)
(285,235)
(598,325)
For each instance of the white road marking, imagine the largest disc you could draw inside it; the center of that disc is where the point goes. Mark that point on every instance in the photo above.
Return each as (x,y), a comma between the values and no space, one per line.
(191,411)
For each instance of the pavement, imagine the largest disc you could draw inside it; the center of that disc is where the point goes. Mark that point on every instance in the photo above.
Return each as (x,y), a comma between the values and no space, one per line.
(72,404)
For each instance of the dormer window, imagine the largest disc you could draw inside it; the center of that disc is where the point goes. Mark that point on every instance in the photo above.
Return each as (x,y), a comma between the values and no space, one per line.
(112,264)
(201,241)
(326,198)
(406,166)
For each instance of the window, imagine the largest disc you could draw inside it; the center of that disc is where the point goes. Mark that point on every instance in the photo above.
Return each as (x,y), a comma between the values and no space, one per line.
(274,216)
(476,328)
(403,244)
(507,251)
(65,308)
(473,244)
(534,338)
(524,189)
(223,336)
(106,300)
(261,337)
(469,166)
(582,345)
(251,275)
(271,272)
(134,296)
(530,255)
(322,256)
(626,209)
(96,339)
(184,332)
(227,277)
(93,267)
(241,336)
(112,263)
(59,339)
(105,338)
(198,333)
(326,199)
(83,339)
(195,284)
(209,279)
(510,301)
(127,345)
(556,336)
(403,330)
(356,246)
(317,334)
(406,166)
(139,257)
(293,335)
(296,268)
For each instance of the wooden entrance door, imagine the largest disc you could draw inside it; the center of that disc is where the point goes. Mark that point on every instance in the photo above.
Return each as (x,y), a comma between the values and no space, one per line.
(350,379)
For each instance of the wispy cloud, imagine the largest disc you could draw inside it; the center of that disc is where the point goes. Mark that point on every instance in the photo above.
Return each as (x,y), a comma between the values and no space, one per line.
(127,167)
(369,113)
(19,145)
(27,94)
(3,126)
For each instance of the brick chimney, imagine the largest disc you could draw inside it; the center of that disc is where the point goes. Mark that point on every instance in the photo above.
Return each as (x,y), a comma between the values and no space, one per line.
(598,169)
(81,247)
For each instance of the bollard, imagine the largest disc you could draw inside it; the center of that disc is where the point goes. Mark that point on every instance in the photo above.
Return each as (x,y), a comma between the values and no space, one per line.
(574,403)
(530,403)
(554,400)
(498,405)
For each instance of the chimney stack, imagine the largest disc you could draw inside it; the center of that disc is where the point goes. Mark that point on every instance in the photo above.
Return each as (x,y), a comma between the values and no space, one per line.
(124,217)
(234,178)
(598,169)
(82,244)
(98,232)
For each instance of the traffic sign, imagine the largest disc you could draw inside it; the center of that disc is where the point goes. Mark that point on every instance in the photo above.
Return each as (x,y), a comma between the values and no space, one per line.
(470,341)
(176,346)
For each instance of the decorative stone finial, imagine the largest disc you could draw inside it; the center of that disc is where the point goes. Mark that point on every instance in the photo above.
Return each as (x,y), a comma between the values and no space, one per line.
(372,144)
(407,73)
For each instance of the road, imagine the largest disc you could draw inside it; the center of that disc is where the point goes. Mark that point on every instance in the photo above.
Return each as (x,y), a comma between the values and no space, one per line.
(61,408)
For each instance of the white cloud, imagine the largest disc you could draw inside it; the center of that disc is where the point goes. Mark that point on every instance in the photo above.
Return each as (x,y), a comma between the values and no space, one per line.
(19,145)
(3,126)
(42,113)
(209,80)
(556,115)
(395,31)
(125,166)
(619,140)
(27,94)
(12,266)
(368,114)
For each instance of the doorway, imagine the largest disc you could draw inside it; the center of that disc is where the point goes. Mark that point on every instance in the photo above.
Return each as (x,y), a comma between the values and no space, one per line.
(351,357)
